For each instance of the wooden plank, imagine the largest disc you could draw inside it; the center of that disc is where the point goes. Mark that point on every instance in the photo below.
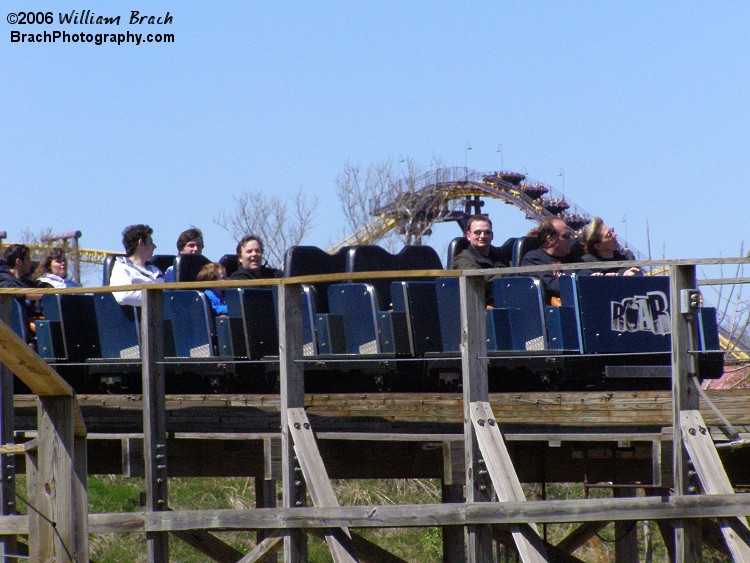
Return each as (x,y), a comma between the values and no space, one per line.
(453,536)
(8,544)
(58,494)
(367,550)
(711,473)
(684,397)
(265,550)
(29,367)
(626,533)
(580,536)
(154,417)
(475,388)
(316,478)
(504,478)
(292,395)
(552,409)
(209,545)
(556,555)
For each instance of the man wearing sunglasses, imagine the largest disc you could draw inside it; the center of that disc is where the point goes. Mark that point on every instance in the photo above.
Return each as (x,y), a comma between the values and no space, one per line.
(554,238)
(480,253)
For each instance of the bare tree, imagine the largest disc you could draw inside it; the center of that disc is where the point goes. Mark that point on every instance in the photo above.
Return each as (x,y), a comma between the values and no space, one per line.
(387,200)
(269,218)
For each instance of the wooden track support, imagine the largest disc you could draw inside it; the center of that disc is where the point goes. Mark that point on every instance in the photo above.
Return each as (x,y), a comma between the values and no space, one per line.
(316,478)
(504,479)
(710,471)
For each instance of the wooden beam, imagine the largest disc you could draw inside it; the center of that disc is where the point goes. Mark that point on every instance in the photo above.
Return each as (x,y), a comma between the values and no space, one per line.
(316,478)
(626,533)
(154,417)
(266,550)
(550,511)
(504,479)
(59,486)
(556,555)
(29,367)
(586,410)
(475,388)
(714,479)
(292,395)
(8,544)
(580,536)
(684,397)
(209,545)
(367,551)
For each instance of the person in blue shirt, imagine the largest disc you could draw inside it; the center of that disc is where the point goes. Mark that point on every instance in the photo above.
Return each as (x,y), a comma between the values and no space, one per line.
(212,272)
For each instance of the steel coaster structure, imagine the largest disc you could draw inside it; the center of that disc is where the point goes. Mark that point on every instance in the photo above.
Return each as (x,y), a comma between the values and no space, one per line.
(436,196)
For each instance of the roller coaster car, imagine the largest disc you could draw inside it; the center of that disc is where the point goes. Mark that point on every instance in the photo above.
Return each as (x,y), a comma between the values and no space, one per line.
(394,333)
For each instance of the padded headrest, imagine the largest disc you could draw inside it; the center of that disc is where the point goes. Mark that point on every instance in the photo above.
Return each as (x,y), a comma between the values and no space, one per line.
(230,263)
(521,246)
(109,263)
(311,260)
(455,247)
(187,266)
(371,258)
(162,261)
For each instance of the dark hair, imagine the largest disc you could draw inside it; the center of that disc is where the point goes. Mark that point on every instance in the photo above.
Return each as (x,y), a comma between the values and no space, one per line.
(209,272)
(14,253)
(57,253)
(186,236)
(477,217)
(546,229)
(245,240)
(132,234)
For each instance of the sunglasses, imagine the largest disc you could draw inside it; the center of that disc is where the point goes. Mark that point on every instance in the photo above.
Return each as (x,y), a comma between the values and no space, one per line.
(564,236)
(610,234)
(479,232)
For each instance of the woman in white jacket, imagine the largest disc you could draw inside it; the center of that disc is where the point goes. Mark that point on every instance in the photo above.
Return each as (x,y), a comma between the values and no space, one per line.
(53,270)
(133,268)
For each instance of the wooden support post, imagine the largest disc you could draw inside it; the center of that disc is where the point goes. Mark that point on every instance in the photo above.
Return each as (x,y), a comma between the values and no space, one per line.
(475,388)
(265,487)
(626,533)
(321,491)
(292,387)
(61,523)
(708,466)
(453,536)
(154,418)
(8,544)
(579,536)
(684,397)
(503,475)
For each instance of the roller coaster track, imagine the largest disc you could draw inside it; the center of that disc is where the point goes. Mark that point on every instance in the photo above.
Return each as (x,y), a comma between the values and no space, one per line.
(86,255)
(433,200)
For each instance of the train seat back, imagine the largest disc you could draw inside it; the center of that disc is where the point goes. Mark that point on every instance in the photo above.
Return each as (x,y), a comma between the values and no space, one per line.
(192,322)
(250,329)
(230,263)
(187,266)
(118,328)
(69,330)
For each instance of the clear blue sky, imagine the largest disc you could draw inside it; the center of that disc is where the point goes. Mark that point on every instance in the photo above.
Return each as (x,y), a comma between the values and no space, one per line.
(643,104)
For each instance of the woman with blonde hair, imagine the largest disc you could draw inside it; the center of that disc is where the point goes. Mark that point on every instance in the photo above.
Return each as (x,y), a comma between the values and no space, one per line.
(601,245)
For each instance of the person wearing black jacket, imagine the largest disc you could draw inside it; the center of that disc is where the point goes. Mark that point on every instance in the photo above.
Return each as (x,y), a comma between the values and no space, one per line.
(480,253)
(601,245)
(250,257)
(554,237)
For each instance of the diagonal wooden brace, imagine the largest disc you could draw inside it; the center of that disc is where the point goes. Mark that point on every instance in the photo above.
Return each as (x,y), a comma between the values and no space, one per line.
(318,483)
(710,470)
(504,478)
